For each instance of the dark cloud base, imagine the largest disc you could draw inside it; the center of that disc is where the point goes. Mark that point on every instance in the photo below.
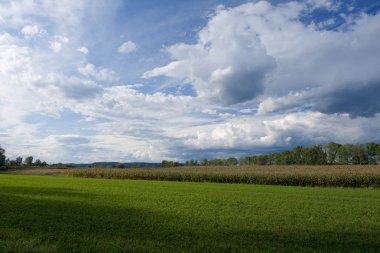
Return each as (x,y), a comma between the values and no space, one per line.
(357,101)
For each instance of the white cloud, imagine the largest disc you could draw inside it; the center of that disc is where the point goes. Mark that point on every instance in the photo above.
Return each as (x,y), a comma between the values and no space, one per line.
(83,50)
(228,64)
(258,52)
(7,39)
(30,31)
(329,5)
(265,132)
(257,61)
(127,47)
(57,43)
(123,102)
(62,13)
(292,100)
(100,74)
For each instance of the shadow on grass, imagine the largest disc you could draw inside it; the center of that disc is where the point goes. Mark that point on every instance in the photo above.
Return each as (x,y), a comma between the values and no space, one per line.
(64,221)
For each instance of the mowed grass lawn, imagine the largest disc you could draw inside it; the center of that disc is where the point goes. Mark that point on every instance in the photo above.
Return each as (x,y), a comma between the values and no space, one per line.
(61,214)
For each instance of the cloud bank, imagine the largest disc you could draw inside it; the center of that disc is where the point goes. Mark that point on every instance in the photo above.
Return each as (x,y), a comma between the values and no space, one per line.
(259,77)
(261,52)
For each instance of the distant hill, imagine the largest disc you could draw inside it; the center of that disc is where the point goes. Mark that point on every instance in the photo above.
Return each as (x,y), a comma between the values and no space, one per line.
(114,164)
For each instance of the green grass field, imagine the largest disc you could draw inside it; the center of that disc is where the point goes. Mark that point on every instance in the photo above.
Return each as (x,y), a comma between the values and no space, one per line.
(61,214)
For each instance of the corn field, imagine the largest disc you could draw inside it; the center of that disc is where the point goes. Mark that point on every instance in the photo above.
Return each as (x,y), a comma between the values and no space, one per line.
(327,176)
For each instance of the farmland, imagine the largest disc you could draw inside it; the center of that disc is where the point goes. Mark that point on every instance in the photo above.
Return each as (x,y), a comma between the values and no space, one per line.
(63,214)
(337,175)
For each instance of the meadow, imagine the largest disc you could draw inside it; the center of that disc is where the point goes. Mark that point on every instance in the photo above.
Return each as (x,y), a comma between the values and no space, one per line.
(64,214)
(296,175)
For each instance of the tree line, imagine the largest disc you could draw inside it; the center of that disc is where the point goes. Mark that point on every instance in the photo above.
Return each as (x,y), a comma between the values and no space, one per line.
(331,153)
(19,161)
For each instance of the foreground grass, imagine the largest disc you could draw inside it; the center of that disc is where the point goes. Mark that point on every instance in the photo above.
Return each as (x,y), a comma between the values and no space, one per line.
(341,176)
(58,214)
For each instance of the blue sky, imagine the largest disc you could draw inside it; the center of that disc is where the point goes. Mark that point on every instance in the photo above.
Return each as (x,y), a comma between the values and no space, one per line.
(86,81)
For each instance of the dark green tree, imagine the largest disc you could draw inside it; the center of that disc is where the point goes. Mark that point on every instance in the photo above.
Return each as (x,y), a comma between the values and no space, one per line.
(345,153)
(359,155)
(28,161)
(285,158)
(120,165)
(332,152)
(378,152)
(371,152)
(204,162)
(18,161)
(299,155)
(216,162)
(2,157)
(170,164)
(192,163)
(37,163)
(232,161)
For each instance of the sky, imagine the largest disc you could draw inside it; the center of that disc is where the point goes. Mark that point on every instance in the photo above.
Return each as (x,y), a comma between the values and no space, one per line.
(86,81)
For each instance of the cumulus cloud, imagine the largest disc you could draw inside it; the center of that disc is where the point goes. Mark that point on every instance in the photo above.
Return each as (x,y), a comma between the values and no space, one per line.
(229,64)
(100,74)
(30,31)
(264,80)
(127,47)
(288,102)
(266,132)
(83,50)
(15,78)
(57,43)
(121,102)
(265,52)
(63,13)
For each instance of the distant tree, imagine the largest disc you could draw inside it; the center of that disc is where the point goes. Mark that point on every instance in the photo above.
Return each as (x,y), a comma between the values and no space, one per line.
(166,164)
(2,157)
(359,155)
(260,160)
(242,161)
(378,152)
(204,162)
(18,161)
(37,163)
(332,151)
(371,152)
(120,166)
(314,155)
(28,161)
(345,153)
(271,159)
(43,164)
(285,158)
(232,161)
(10,162)
(170,164)
(216,162)
(298,155)
(191,163)
(281,158)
